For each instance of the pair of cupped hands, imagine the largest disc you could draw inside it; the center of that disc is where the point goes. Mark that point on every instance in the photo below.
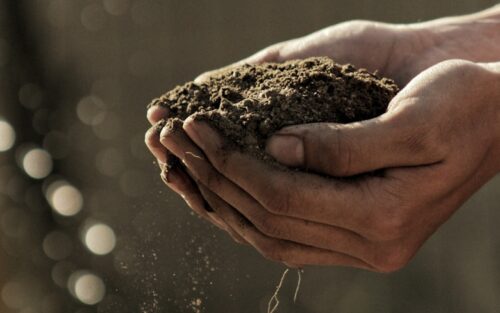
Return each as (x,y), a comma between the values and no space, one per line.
(435,146)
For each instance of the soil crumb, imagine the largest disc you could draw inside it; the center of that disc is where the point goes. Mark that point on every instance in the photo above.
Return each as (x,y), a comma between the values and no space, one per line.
(249,103)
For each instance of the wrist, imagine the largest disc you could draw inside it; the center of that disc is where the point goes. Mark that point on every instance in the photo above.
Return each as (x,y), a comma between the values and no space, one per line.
(492,84)
(474,37)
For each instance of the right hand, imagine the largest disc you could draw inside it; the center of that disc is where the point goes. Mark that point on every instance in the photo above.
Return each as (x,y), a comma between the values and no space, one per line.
(397,51)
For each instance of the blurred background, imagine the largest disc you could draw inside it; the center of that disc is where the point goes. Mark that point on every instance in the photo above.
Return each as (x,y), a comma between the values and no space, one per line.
(87,226)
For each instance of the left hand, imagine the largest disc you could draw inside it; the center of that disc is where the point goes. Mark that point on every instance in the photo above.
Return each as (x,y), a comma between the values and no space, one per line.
(437,144)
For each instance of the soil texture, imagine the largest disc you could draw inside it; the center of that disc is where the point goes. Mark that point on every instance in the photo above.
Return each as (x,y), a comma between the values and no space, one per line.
(248,103)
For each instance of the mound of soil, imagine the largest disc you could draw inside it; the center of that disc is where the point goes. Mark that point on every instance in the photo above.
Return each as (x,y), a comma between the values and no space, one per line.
(249,103)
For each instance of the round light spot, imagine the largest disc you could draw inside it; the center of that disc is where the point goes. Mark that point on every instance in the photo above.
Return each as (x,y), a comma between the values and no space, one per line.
(16,294)
(86,287)
(37,163)
(57,245)
(91,110)
(116,7)
(93,17)
(7,136)
(64,198)
(100,239)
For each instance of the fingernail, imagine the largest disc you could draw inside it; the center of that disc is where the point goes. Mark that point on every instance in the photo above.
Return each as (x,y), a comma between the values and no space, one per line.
(286,149)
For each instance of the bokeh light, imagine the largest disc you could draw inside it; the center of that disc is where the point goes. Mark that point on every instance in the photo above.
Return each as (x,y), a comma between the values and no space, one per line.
(91,110)
(7,136)
(116,7)
(14,294)
(100,239)
(64,198)
(37,163)
(57,245)
(86,287)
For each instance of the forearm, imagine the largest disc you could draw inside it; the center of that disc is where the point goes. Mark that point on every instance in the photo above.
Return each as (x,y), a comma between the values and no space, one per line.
(474,37)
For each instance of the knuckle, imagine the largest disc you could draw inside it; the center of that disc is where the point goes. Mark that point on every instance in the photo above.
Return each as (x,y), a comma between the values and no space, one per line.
(283,195)
(336,160)
(392,259)
(274,252)
(426,142)
(272,53)
(341,153)
(272,227)
(278,202)
(389,227)
(210,179)
(221,159)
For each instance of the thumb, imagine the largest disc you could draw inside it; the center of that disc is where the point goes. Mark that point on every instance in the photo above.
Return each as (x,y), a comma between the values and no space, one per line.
(350,149)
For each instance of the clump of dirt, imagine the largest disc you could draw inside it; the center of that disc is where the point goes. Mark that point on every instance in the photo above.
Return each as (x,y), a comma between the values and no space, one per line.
(249,103)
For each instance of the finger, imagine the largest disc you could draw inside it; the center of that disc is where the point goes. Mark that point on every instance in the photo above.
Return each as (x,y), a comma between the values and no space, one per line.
(156,113)
(309,233)
(223,225)
(176,140)
(350,149)
(152,140)
(347,204)
(275,249)
(180,183)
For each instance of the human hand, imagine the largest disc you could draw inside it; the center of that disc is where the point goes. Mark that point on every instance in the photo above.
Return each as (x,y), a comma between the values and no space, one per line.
(398,51)
(437,144)
(410,48)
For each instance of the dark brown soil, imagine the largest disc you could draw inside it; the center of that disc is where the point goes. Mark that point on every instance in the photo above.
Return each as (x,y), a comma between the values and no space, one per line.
(249,103)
